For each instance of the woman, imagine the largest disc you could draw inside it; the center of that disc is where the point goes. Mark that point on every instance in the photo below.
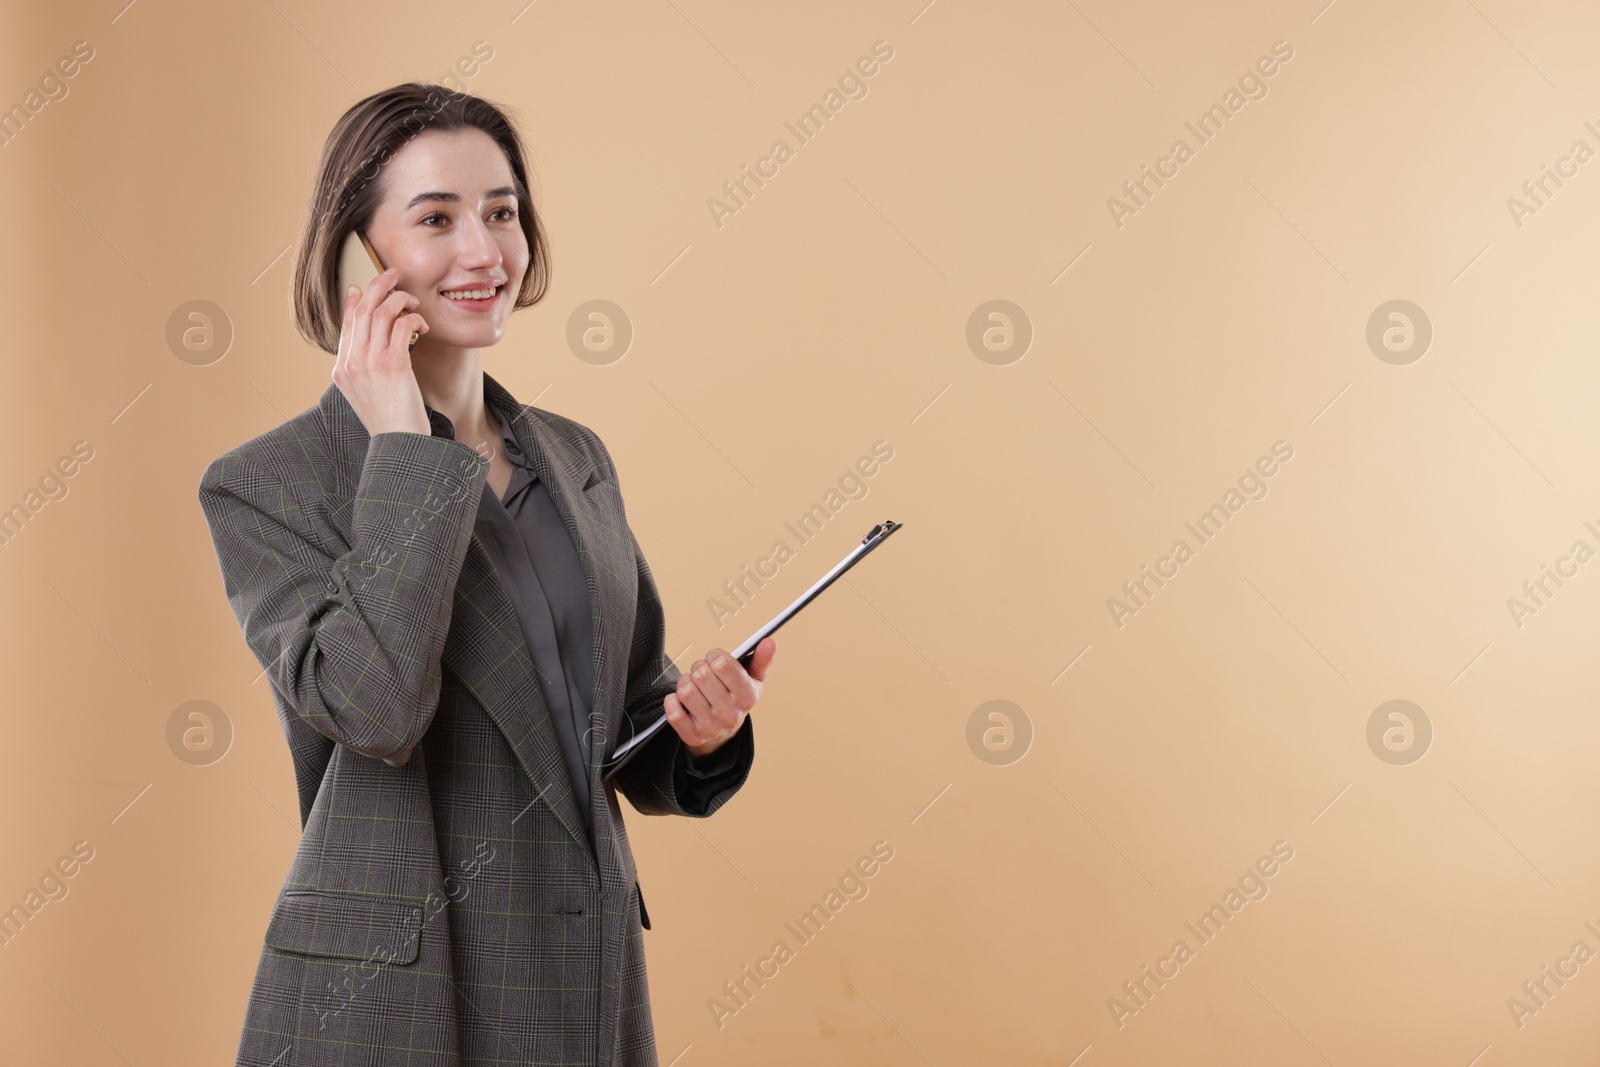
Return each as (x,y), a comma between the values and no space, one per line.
(459,627)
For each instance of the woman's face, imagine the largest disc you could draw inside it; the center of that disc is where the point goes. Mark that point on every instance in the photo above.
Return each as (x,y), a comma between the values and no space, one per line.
(448,223)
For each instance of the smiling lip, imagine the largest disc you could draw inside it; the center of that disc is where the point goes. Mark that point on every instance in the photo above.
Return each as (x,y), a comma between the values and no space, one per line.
(486,304)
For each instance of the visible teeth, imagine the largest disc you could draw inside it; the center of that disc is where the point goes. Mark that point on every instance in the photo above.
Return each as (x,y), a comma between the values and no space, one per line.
(472,294)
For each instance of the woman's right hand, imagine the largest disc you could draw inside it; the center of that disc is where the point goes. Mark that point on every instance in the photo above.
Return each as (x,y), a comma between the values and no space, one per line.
(373,367)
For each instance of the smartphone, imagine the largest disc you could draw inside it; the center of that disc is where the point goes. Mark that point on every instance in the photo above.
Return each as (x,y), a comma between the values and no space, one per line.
(358,265)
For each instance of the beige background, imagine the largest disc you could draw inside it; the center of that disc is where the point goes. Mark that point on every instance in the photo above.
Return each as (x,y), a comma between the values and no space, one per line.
(831,312)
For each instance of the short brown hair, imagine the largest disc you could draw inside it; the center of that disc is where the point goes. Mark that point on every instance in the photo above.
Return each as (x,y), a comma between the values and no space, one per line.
(346,194)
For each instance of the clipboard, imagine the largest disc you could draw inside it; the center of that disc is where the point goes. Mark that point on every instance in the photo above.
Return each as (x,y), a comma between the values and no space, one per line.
(746,651)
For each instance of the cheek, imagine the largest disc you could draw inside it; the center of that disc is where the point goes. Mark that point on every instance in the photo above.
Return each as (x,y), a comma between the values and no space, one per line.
(422,278)
(516,259)
(430,303)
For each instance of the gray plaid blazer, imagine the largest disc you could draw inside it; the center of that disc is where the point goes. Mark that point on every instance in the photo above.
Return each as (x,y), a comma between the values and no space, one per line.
(445,904)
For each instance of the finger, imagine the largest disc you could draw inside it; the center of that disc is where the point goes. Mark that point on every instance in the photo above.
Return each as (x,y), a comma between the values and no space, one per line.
(352,295)
(400,333)
(743,689)
(711,683)
(761,661)
(360,330)
(680,720)
(378,288)
(692,699)
(384,315)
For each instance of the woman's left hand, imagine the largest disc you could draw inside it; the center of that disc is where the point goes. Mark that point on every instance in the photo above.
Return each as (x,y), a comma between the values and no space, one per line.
(715,695)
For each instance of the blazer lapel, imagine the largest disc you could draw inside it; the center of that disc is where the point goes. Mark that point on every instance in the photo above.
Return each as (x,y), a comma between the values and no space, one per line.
(605,551)
(485,649)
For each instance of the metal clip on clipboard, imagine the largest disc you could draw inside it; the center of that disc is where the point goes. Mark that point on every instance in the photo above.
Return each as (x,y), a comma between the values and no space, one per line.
(875,537)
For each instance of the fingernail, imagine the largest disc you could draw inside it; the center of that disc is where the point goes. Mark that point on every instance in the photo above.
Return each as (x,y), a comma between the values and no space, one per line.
(352,291)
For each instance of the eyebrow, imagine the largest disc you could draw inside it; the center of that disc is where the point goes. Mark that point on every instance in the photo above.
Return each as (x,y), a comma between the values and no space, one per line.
(492,194)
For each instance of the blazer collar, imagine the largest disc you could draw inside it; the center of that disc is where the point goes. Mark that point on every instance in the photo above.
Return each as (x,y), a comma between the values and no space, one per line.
(499,669)
(348,437)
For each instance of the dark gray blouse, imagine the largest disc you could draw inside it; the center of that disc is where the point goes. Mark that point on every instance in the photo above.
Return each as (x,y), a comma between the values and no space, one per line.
(535,558)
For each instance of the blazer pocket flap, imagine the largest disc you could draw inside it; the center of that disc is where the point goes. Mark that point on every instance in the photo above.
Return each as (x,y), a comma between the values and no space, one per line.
(347,926)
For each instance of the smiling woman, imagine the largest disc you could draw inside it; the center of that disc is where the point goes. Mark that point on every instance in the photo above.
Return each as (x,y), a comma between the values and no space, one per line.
(458,624)
(370,152)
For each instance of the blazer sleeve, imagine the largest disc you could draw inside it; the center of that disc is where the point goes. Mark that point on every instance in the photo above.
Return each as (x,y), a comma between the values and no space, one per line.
(352,642)
(656,781)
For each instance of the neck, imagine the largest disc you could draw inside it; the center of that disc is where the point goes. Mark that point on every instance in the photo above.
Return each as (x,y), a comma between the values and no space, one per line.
(451,383)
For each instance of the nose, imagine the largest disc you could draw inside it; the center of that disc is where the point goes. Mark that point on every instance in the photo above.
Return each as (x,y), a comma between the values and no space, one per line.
(478,247)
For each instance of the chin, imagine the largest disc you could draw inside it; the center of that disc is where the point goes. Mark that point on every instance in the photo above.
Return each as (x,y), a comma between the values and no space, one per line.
(482,337)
